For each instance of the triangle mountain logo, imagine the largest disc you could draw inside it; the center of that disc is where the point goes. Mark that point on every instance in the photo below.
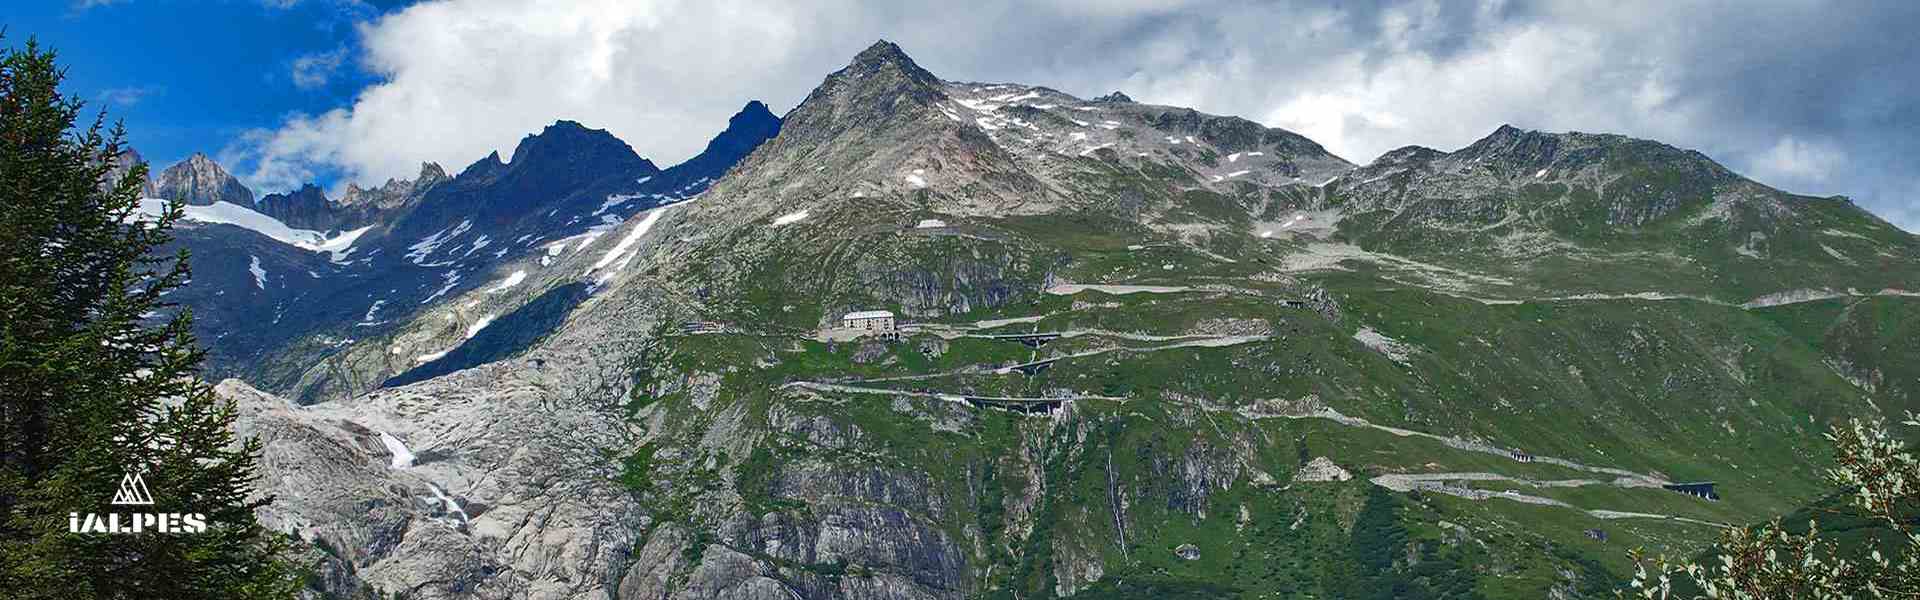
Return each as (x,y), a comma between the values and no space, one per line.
(133,491)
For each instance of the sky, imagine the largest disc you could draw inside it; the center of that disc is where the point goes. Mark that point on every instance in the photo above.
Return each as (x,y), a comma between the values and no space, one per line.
(1811,96)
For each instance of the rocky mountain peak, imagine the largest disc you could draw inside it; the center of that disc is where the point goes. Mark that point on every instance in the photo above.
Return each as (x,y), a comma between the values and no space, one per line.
(746,130)
(1516,146)
(201,182)
(305,208)
(880,89)
(124,164)
(754,113)
(1116,96)
(1406,155)
(569,147)
(884,57)
(430,173)
(307,191)
(395,192)
(485,167)
(1531,151)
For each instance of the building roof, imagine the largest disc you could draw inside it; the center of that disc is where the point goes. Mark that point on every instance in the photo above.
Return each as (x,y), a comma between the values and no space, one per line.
(868,314)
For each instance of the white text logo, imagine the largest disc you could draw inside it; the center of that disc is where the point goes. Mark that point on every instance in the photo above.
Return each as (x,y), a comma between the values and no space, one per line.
(133,492)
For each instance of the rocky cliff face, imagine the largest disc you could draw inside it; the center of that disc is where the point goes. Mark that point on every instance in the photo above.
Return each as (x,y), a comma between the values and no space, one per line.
(1151,353)
(309,208)
(395,192)
(306,208)
(124,164)
(201,182)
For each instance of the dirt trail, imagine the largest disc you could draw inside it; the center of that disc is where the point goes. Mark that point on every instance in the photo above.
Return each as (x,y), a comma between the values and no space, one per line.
(960,398)
(1069,289)
(1452,442)
(1438,483)
(1187,342)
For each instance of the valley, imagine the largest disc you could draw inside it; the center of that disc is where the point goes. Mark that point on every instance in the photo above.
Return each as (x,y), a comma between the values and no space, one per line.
(1143,352)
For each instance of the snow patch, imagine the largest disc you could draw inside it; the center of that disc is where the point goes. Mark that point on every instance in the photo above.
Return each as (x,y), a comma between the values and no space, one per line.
(477,245)
(419,251)
(479,325)
(259,274)
(632,237)
(930,224)
(402,457)
(916,180)
(452,278)
(789,218)
(510,281)
(371,312)
(618,199)
(641,229)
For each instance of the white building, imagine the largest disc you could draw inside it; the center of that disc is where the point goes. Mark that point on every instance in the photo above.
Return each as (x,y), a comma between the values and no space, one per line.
(869,322)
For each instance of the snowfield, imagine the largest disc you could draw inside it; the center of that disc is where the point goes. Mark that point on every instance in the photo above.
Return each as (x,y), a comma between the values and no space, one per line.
(247,218)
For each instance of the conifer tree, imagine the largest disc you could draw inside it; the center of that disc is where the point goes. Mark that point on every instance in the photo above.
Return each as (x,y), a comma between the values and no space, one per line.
(98,373)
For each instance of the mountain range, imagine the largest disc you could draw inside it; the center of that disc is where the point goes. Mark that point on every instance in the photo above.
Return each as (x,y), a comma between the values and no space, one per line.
(1147,352)
(297,276)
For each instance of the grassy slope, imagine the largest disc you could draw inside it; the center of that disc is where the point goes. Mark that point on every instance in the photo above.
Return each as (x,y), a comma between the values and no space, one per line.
(1692,390)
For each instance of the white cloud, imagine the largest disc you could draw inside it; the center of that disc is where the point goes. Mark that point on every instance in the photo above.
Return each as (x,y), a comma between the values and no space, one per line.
(127,96)
(460,78)
(1798,160)
(314,70)
(463,78)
